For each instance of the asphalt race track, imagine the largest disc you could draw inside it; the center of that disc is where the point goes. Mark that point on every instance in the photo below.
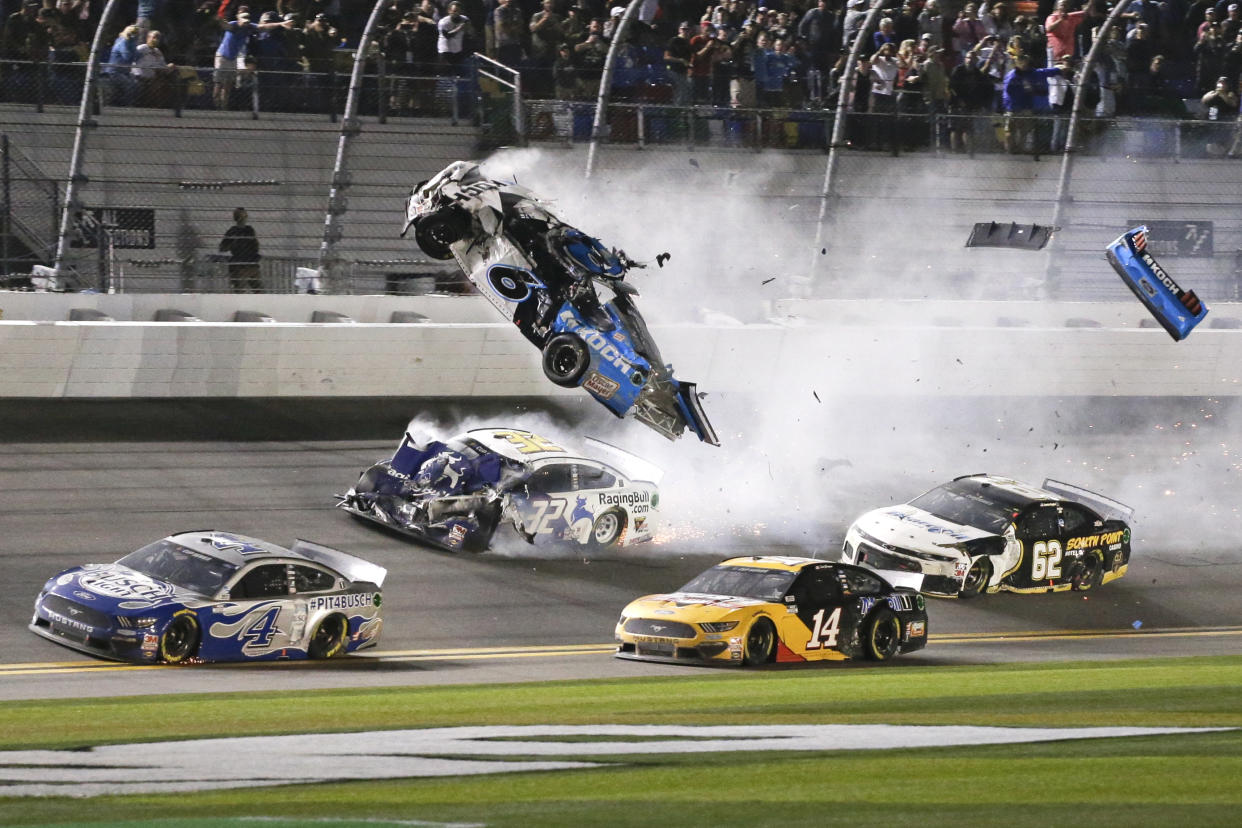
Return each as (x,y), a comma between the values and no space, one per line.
(525,613)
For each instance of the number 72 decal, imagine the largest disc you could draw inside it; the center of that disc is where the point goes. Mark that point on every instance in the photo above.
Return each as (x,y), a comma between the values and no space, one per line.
(1046,560)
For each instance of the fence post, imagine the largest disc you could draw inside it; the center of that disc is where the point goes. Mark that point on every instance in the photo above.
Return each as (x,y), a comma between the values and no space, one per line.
(85,122)
(329,259)
(6,202)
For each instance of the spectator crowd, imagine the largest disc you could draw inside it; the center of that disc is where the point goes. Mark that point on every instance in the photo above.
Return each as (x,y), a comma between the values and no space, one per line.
(1017,59)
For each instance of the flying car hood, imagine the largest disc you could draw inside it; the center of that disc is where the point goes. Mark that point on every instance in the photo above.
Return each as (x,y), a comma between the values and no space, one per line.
(112,588)
(908,527)
(690,606)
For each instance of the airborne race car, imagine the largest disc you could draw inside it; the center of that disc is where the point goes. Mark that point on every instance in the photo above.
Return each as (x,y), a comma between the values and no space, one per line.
(543,275)
(456,494)
(764,609)
(215,596)
(981,533)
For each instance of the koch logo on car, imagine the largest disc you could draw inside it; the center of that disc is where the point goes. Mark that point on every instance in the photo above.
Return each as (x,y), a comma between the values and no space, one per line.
(597,341)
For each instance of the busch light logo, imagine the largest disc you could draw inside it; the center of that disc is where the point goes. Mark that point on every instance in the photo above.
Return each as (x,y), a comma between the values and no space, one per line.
(118,585)
(597,342)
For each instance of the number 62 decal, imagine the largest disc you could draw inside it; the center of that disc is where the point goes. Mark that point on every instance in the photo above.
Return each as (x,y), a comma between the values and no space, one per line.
(1046,560)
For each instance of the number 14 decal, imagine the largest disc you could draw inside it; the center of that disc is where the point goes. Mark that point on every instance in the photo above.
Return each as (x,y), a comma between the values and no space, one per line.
(824,634)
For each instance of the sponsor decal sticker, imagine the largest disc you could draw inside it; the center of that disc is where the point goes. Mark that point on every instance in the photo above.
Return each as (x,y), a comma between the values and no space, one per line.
(918,629)
(597,342)
(121,585)
(601,386)
(354,600)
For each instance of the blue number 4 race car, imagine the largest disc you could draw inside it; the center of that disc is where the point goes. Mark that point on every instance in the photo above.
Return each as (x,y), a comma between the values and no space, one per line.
(215,596)
(1177,310)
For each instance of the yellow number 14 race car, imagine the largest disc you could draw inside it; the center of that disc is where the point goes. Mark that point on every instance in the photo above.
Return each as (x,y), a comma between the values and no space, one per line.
(757,610)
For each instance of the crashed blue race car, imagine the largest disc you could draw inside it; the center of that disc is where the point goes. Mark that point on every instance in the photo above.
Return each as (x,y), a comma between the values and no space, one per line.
(215,596)
(455,493)
(543,275)
(1177,310)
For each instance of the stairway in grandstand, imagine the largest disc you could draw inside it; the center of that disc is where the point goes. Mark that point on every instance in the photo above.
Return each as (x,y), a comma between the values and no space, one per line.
(186,174)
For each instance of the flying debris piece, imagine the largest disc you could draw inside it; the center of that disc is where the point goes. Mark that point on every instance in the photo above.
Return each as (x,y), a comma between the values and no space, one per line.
(694,163)
(816,396)
(823,251)
(1137,624)
(662,258)
(958,361)
(765,281)
(1020,236)
(1177,310)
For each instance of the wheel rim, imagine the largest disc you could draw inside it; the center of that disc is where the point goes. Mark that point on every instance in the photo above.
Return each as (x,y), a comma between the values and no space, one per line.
(1088,572)
(327,634)
(178,639)
(565,360)
(976,578)
(759,641)
(884,636)
(606,526)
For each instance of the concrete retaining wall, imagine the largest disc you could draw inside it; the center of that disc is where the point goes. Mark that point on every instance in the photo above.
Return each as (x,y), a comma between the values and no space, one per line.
(877,353)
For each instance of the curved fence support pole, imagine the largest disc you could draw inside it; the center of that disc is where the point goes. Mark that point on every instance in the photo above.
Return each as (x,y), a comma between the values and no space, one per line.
(1067,158)
(844,104)
(605,81)
(329,264)
(1071,136)
(85,122)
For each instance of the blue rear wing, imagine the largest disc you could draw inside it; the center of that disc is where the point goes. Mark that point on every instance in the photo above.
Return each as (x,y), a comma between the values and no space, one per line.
(1178,311)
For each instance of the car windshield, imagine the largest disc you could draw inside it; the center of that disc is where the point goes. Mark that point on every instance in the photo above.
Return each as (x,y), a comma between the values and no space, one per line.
(968,508)
(185,568)
(743,582)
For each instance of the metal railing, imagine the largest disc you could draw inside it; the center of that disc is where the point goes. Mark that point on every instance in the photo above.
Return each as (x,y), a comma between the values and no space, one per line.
(29,211)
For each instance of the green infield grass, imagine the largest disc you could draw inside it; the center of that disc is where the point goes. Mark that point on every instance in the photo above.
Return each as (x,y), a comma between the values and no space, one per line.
(1186,779)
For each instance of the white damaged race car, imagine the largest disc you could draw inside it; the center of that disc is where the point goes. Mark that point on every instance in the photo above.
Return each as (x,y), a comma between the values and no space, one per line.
(547,279)
(458,492)
(981,533)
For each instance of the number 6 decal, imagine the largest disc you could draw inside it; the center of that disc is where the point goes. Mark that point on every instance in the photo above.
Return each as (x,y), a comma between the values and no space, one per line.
(1046,560)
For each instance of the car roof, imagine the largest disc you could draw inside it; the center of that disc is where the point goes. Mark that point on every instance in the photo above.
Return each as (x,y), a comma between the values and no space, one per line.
(507,443)
(238,550)
(785,562)
(1006,490)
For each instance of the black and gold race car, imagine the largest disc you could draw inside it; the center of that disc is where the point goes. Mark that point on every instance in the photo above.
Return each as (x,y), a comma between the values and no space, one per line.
(761,609)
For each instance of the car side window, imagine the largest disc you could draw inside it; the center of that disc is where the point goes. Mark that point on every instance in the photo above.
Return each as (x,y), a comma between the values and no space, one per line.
(817,587)
(590,477)
(557,477)
(1043,522)
(857,582)
(309,579)
(266,581)
(1076,519)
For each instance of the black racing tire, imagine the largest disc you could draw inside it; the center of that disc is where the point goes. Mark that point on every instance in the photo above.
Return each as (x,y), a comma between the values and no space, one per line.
(881,637)
(435,233)
(565,360)
(180,639)
(760,645)
(977,577)
(607,529)
(1089,573)
(328,640)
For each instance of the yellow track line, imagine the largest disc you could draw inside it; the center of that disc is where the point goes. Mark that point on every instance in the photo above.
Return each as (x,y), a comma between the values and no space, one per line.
(560,650)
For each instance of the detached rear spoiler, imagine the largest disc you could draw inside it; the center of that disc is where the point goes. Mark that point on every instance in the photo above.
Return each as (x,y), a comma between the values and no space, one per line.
(355,569)
(1106,506)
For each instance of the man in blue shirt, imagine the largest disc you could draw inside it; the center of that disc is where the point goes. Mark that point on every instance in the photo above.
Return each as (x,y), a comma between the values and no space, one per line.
(232,50)
(1025,95)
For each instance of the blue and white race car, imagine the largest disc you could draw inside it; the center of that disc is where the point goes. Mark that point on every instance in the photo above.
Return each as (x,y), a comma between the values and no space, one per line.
(215,596)
(1177,310)
(543,275)
(455,493)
